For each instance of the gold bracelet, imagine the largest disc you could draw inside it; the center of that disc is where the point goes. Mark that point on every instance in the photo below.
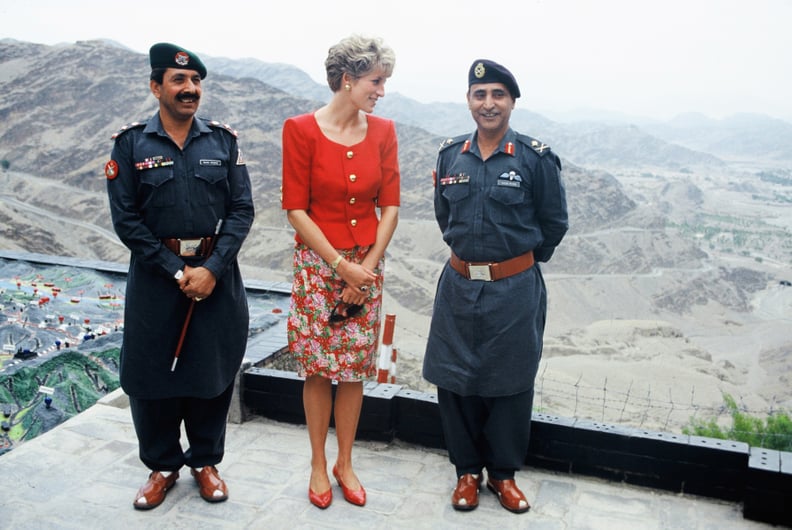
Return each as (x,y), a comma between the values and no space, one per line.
(335,262)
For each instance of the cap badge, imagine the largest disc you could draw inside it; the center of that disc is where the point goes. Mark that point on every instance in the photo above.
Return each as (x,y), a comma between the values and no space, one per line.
(479,71)
(182,59)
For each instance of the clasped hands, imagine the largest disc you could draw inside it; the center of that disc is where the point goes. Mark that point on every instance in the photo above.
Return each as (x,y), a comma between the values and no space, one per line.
(197,283)
(359,280)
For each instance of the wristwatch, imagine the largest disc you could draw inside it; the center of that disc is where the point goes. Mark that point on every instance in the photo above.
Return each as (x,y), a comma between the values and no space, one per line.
(178,275)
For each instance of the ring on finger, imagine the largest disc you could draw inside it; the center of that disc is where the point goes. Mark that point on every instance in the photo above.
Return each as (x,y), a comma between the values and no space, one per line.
(364,288)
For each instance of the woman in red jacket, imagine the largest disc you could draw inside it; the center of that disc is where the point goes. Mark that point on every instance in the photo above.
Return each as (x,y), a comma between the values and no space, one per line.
(339,165)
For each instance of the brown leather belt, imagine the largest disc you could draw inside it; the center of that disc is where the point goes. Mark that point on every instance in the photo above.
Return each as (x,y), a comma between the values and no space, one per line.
(188,247)
(489,271)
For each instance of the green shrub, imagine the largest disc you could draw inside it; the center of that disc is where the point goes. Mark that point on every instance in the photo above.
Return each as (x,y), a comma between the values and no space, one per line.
(773,432)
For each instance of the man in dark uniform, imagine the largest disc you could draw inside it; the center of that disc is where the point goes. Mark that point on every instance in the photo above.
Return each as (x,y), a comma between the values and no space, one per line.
(180,199)
(501,205)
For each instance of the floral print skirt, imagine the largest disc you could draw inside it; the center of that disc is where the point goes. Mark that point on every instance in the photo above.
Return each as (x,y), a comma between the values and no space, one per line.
(341,351)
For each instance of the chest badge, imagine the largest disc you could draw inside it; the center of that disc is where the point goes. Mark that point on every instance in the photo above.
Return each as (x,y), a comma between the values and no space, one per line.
(511,179)
(459,178)
(152,162)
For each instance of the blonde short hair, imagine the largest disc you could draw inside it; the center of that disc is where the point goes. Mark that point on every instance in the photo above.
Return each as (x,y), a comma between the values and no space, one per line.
(357,56)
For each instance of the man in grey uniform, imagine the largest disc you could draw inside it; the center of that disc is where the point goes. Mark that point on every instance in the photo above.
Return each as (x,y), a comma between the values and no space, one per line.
(501,206)
(180,200)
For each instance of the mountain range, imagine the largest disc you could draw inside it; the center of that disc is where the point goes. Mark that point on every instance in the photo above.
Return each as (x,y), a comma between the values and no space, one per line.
(737,137)
(683,222)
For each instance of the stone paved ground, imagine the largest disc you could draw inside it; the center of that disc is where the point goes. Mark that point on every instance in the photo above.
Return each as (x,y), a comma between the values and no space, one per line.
(84,474)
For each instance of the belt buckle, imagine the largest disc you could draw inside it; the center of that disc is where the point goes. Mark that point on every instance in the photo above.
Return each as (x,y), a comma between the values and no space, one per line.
(479,272)
(190,247)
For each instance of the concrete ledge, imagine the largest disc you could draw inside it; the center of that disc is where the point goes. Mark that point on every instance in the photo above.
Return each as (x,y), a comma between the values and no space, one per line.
(716,468)
(768,488)
(418,419)
(117,398)
(378,414)
(274,394)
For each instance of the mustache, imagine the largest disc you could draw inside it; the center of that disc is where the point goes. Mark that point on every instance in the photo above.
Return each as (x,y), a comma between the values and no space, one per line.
(188,95)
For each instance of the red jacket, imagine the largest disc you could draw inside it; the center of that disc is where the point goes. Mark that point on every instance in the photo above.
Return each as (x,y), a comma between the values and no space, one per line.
(339,186)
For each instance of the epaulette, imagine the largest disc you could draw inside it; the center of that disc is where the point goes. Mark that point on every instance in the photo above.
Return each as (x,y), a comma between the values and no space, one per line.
(127,127)
(217,125)
(445,144)
(540,147)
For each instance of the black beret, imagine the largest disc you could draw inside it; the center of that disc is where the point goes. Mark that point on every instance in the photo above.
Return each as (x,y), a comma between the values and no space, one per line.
(166,55)
(486,71)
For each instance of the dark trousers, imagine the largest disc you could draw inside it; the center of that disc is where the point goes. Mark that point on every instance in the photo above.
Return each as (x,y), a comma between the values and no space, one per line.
(158,427)
(482,432)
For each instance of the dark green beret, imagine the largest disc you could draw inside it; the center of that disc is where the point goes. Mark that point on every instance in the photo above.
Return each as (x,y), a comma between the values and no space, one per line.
(166,55)
(486,71)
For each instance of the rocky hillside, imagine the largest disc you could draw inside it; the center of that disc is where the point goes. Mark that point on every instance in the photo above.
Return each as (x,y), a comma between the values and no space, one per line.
(58,128)
(665,225)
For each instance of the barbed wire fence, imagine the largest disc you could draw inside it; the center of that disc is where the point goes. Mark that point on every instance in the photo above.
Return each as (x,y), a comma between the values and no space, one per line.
(652,408)
(655,406)
(609,405)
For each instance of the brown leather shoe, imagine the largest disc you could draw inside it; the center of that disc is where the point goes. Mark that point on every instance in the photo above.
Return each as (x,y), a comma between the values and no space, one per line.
(509,495)
(212,487)
(465,496)
(152,493)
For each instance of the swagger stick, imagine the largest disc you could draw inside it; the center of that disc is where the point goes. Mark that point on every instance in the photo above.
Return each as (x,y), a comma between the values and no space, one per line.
(192,301)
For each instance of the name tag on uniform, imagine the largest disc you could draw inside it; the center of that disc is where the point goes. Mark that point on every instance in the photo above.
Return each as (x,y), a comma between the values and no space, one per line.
(210,162)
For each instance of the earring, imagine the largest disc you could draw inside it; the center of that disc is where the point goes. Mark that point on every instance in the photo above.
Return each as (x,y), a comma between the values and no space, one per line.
(347,87)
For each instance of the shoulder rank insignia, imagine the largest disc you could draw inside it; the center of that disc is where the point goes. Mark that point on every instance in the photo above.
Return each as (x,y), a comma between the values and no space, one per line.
(127,127)
(538,146)
(451,141)
(217,124)
(541,148)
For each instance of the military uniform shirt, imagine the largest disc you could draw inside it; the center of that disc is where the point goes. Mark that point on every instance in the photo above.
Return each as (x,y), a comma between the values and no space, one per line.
(486,337)
(156,191)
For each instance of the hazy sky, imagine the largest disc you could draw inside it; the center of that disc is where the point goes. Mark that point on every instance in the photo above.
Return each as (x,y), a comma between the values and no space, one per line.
(654,59)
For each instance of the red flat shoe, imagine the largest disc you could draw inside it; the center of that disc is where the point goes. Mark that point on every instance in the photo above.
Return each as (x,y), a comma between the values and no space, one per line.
(358,498)
(320,501)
